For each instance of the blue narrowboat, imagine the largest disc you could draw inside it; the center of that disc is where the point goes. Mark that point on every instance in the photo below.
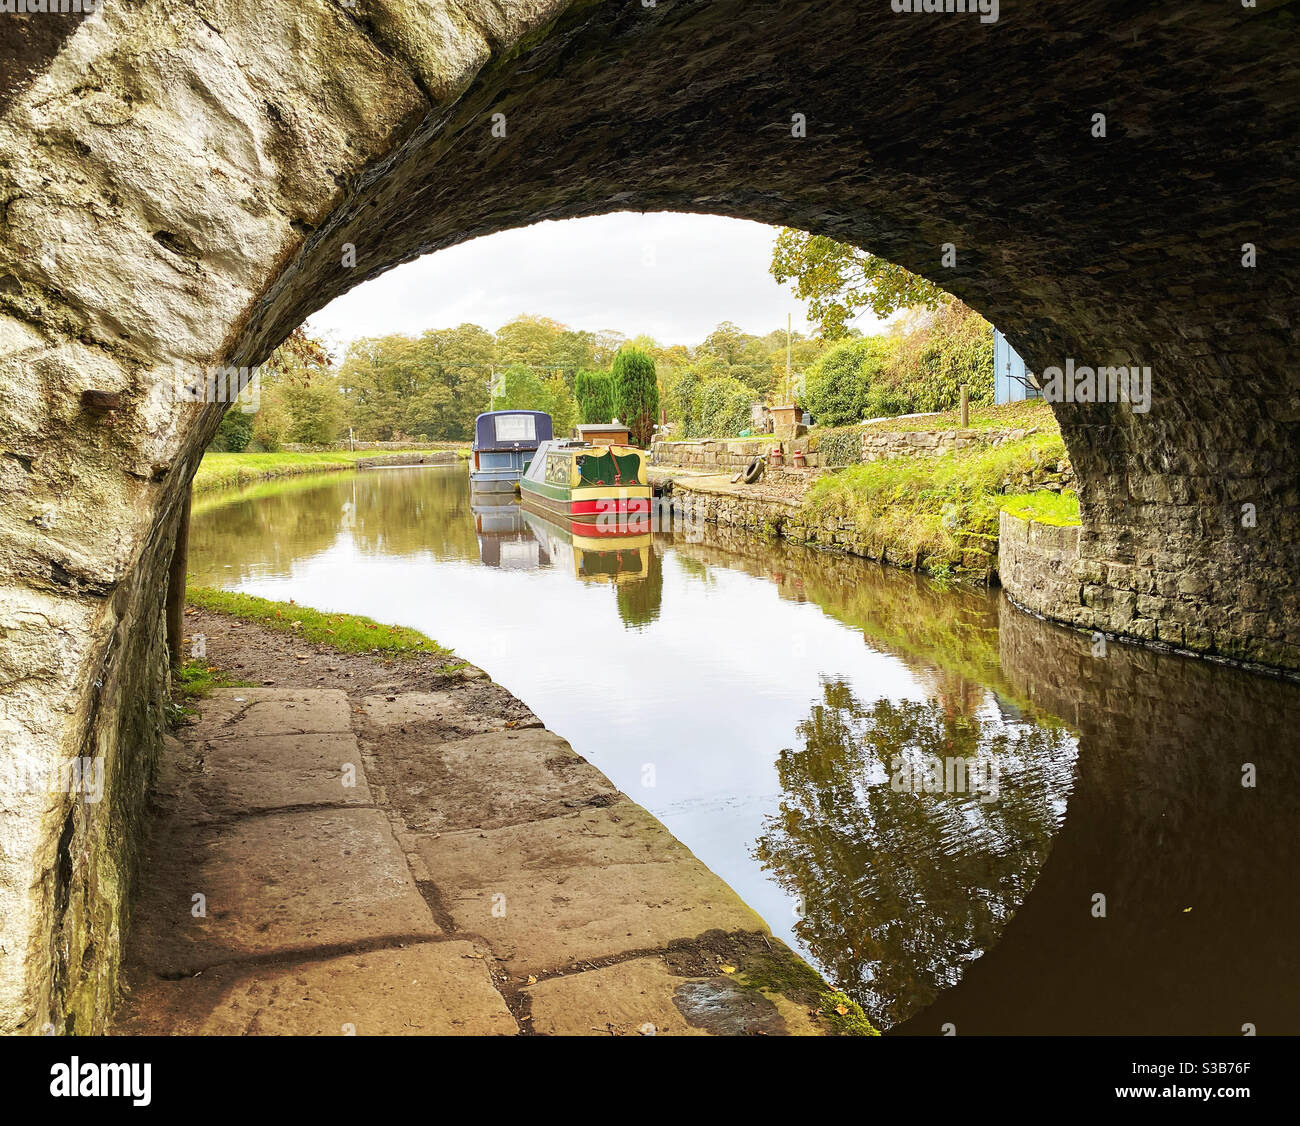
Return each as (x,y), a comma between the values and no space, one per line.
(504,443)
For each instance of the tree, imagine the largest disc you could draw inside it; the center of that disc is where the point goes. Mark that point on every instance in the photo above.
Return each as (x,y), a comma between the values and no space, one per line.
(560,405)
(300,399)
(271,423)
(315,410)
(594,391)
(604,347)
(519,389)
(838,280)
(636,393)
(729,352)
(528,340)
(434,384)
(380,380)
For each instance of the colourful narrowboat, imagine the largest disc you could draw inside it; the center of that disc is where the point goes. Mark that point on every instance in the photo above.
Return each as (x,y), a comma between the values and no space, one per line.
(589,490)
(504,441)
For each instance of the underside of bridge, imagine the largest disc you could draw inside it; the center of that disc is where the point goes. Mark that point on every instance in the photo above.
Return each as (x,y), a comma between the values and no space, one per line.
(178,183)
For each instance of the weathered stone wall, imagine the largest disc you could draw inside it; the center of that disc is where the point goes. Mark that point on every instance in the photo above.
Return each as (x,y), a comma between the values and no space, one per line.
(718,455)
(1036,565)
(154,179)
(179,184)
(877,444)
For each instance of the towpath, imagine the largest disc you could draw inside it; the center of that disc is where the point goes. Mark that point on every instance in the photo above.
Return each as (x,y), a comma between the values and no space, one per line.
(394,857)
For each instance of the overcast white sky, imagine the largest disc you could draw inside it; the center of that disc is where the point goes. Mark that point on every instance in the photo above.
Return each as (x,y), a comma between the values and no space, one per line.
(669,275)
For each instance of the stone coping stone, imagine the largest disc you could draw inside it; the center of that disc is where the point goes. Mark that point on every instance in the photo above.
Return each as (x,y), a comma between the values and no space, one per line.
(720,485)
(643,997)
(487,781)
(439,709)
(262,774)
(583,886)
(230,713)
(277,884)
(425,989)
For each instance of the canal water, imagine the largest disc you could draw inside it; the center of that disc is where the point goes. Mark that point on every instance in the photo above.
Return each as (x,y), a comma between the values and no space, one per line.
(970,820)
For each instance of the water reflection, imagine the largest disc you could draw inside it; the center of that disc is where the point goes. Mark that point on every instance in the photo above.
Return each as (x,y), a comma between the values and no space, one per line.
(770,687)
(901,889)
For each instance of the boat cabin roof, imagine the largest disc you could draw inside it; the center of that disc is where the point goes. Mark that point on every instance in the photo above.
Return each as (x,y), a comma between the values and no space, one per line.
(593,455)
(511,430)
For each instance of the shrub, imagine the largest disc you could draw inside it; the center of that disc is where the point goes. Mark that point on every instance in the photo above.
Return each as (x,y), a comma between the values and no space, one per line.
(234,433)
(723,407)
(839,384)
(840,447)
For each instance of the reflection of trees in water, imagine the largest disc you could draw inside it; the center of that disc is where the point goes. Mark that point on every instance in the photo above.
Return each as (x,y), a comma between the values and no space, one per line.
(429,511)
(639,600)
(388,511)
(900,890)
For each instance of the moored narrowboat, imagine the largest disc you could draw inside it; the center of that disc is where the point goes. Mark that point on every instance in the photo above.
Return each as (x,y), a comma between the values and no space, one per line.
(504,441)
(589,490)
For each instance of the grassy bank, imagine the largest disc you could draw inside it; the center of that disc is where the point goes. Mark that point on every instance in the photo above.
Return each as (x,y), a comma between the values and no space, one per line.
(937,514)
(1046,507)
(221,470)
(348,633)
(1029,413)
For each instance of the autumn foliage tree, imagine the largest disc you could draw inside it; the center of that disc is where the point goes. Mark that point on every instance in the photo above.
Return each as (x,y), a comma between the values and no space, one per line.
(839,281)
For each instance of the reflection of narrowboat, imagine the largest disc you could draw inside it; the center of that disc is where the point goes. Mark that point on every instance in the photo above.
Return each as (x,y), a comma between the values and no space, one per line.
(593,558)
(504,540)
(503,443)
(590,490)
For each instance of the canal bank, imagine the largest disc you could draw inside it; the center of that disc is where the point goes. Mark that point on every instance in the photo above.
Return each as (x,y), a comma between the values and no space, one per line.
(227,470)
(354,843)
(924,498)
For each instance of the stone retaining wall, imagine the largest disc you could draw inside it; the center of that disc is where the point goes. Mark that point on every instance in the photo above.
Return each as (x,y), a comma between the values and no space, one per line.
(1037,564)
(877,444)
(721,454)
(438,457)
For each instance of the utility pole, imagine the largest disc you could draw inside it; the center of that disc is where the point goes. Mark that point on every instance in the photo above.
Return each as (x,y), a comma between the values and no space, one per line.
(789,387)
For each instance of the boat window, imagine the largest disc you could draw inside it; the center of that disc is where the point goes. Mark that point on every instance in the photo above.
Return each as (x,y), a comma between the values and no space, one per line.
(516,428)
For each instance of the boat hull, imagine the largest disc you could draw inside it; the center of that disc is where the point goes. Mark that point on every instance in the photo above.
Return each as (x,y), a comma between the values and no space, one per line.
(603,511)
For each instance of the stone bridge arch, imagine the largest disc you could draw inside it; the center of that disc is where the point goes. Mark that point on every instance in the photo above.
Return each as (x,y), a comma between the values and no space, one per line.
(178,182)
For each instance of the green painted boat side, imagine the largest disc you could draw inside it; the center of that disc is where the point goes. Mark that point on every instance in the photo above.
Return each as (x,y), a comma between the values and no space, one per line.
(554,492)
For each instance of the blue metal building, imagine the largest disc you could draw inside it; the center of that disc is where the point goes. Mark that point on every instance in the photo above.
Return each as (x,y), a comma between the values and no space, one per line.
(1010,376)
